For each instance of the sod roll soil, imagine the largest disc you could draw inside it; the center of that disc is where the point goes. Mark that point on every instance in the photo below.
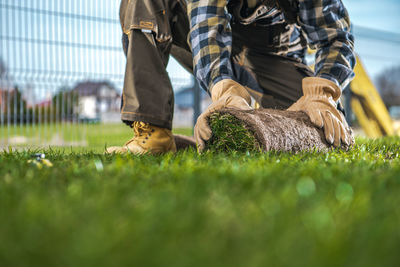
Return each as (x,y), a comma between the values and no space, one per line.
(261,130)
(266,130)
(184,142)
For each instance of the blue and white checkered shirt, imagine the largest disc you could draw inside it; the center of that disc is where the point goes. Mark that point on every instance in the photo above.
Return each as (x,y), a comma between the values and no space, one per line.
(324,23)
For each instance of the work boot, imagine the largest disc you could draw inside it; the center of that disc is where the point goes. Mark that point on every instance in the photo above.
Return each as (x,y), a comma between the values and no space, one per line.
(148,139)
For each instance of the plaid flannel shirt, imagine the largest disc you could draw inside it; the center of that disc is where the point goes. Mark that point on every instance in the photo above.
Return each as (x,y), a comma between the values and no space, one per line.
(325,23)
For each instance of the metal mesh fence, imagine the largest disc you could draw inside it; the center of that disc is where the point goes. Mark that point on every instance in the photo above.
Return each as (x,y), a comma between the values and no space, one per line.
(62,67)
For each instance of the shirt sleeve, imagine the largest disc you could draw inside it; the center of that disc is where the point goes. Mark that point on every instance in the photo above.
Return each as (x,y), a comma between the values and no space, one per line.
(327,27)
(211,41)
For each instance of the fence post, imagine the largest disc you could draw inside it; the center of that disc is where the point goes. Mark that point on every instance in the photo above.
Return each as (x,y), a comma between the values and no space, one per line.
(196,101)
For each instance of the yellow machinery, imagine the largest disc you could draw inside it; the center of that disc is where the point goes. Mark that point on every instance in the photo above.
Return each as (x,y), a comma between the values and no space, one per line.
(368,106)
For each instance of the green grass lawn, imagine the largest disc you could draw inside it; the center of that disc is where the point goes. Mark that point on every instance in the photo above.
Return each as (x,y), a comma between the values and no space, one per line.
(273,209)
(75,137)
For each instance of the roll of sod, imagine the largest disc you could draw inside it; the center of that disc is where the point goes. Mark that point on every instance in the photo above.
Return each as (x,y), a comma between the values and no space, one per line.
(266,130)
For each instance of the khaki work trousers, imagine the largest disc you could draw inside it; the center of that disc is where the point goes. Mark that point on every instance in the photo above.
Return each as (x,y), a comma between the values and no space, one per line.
(155,29)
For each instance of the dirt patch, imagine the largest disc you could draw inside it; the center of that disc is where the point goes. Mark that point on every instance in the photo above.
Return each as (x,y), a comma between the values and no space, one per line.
(183,142)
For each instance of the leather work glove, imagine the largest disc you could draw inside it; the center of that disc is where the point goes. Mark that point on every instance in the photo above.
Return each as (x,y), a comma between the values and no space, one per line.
(319,103)
(224,94)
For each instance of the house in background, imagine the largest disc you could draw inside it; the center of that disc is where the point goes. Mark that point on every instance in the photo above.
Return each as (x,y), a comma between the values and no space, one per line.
(183,114)
(98,101)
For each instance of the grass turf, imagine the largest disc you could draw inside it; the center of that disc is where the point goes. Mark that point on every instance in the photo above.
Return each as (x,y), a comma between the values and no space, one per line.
(77,137)
(230,134)
(233,209)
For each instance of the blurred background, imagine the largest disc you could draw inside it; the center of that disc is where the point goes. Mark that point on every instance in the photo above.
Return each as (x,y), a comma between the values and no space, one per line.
(62,69)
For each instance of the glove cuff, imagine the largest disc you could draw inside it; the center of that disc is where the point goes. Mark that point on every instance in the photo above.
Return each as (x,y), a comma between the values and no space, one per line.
(229,87)
(315,86)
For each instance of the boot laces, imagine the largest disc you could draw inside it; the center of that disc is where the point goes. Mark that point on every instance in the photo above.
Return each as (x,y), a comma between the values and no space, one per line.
(139,128)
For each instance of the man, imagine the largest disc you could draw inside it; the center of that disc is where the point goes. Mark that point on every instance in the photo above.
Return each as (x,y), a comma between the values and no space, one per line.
(239,50)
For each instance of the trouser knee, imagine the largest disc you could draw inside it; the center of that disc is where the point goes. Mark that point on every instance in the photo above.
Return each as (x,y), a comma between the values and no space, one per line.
(148,27)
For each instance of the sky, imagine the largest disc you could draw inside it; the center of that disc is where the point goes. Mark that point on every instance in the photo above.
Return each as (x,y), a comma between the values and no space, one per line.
(381,50)
(377,14)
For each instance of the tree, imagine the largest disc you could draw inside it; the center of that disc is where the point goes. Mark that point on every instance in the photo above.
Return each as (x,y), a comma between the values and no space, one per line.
(388,83)
(14,107)
(64,104)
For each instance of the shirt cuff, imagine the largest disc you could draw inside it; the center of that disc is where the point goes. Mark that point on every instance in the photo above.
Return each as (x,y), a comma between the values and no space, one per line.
(219,78)
(331,78)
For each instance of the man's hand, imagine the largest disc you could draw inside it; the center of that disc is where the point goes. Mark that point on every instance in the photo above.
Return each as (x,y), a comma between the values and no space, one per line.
(319,103)
(224,94)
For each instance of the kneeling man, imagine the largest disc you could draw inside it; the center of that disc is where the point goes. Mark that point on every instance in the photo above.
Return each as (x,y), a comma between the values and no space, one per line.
(238,50)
